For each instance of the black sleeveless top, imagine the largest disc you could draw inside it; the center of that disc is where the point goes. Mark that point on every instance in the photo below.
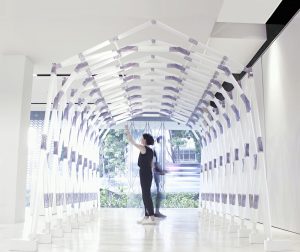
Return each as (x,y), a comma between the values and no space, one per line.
(145,160)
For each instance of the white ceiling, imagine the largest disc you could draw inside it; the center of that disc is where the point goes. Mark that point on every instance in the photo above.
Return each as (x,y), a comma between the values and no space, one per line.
(50,31)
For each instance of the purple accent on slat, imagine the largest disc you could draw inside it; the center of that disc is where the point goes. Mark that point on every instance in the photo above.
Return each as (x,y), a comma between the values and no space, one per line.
(205,142)
(131,77)
(172,89)
(218,197)
(215,163)
(66,111)
(216,82)
(227,120)
(44,142)
(167,104)
(73,91)
(247,150)
(128,49)
(90,164)
(193,41)
(246,102)
(46,200)
(99,100)
(220,126)
(55,147)
(176,66)
(236,154)
(255,161)
(210,165)
(214,131)
(192,121)
(188,58)
(87,81)
(228,158)
(225,69)
(64,153)
(256,201)
(174,78)
(236,112)
(104,114)
(221,161)
(224,198)
(57,98)
(133,88)
(249,71)
(166,111)
(169,97)
(179,50)
(53,69)
(130,98)
(209,93)
(64,80)
(128,65)
(85,162)
(210,117)
(95,91)
(80,66)
(73,156)
(79,160)
(205,102)
(260,147)
(251,200)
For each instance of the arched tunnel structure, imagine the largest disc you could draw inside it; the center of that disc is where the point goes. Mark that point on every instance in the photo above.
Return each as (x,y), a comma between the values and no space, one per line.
(186,81)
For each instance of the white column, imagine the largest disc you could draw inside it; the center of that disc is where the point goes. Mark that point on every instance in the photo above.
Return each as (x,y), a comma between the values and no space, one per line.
(15,98)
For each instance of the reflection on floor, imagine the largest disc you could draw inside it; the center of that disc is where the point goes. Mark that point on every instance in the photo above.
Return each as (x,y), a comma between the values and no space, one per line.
(116,230)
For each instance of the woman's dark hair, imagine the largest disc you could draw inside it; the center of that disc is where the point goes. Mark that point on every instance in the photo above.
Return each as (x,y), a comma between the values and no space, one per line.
(149,139)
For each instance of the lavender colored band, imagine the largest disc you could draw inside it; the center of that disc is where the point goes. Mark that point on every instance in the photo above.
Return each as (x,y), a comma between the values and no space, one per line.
(216,82)
(88,80)
(57,98)
(260,147)
(236,154)
(215,163)
(44,142)
(209,93)
(128,49)
(172,89)
(220,126)
(225,69)
(128,65)
(131,77)
(166,111)
(169,97)
(221,160)
(214,131)
(179,50)
(80,66)
(134,97)
(247,150)
(55,147)
(133,88)
(73,91)
(173,78)
(95,91)
(167,104)
(227,120)
(228,157)
(236,112)
(193,41)
(176,66)
(246,102)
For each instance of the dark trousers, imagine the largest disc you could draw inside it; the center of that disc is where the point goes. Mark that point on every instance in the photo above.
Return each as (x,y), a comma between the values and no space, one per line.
(158,192)
(146,181)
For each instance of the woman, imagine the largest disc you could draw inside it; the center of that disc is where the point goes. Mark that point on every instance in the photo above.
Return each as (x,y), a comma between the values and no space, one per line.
(145,164)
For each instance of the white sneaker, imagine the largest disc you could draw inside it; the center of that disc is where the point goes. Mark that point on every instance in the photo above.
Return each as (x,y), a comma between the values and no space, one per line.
(142,220)
(149,221)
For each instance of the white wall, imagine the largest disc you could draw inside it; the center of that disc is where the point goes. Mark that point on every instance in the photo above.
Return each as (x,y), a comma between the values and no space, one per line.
(279,69)
(15,95)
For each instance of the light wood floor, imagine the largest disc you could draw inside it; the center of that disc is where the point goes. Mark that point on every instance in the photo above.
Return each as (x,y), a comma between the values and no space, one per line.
(116,230)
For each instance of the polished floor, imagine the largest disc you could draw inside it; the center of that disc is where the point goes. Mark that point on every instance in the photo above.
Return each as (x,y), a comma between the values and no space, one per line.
(116,230)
